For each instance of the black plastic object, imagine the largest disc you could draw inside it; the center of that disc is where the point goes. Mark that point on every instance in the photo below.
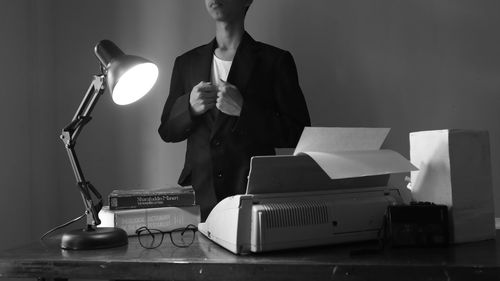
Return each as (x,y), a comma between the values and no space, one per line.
(418,225)
(94,238)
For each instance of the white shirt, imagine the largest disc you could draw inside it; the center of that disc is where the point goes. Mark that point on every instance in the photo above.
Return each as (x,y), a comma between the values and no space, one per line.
(220,70)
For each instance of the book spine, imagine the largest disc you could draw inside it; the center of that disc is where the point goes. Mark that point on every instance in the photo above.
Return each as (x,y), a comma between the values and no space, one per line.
(164,219)
(150,201)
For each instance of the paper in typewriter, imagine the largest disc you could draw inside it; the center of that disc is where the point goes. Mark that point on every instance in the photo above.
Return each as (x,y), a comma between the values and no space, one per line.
(351,152)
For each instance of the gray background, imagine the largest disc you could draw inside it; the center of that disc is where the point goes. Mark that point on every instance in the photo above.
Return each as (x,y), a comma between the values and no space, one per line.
(409,65)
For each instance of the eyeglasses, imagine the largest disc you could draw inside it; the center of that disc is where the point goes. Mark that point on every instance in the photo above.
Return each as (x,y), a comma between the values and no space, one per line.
(180,237)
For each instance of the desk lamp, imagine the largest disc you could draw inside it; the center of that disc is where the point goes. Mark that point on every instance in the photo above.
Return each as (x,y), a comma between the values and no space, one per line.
(128,79)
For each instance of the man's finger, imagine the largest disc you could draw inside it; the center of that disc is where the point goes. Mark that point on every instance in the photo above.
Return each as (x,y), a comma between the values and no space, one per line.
(200,84)
(208,106)
(209,103)
(222,85)
(226,85)
(208,95)
(207,88)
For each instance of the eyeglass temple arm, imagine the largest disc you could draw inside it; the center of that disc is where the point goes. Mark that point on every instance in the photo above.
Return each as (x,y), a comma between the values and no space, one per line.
(69,136)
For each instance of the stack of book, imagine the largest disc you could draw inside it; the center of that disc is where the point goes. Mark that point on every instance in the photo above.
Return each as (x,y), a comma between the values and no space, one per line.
(164,209)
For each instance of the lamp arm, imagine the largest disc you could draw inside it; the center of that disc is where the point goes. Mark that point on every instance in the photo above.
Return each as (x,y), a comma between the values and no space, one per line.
(69,135)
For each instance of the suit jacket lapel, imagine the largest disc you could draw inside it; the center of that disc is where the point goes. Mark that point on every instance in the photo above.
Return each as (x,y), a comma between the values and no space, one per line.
(200,71)
(202,64)
(239,75)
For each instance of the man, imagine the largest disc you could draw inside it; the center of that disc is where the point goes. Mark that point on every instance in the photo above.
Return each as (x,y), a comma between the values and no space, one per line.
(232,99)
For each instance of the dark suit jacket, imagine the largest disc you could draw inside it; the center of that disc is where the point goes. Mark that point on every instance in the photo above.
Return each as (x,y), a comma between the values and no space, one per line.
(219,148)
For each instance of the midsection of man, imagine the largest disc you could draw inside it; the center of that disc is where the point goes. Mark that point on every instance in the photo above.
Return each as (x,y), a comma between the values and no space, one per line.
(219,150)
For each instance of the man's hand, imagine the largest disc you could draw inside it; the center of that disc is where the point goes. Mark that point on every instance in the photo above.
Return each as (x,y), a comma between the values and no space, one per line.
(203,97)
(229,99)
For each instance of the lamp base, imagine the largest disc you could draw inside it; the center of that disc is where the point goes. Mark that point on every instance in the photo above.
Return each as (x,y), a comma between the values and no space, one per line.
(93,238)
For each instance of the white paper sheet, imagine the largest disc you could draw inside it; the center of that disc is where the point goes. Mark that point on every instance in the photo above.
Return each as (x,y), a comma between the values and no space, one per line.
(325,139)
(350,164)
(351,152)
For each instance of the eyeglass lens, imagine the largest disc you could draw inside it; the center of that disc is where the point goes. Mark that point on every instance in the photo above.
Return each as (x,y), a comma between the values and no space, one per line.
(183,237)
(150,238)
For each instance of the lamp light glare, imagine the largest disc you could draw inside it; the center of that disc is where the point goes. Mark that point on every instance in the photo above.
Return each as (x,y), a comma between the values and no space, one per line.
(135,83)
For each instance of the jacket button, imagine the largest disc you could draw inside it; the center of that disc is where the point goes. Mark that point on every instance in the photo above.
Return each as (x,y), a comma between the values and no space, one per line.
(217,143)
(219,175)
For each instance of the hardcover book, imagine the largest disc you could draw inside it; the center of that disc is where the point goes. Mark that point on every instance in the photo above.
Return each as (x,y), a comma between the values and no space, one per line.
(151,198)
(164,219)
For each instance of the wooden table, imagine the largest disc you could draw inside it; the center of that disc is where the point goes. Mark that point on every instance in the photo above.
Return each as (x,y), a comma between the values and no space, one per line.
(205,260)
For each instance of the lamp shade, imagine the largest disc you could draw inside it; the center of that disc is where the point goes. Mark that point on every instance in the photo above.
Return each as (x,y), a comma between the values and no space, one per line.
(129,77)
